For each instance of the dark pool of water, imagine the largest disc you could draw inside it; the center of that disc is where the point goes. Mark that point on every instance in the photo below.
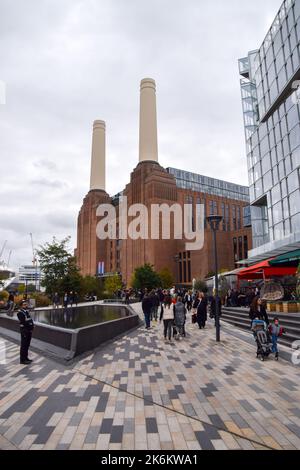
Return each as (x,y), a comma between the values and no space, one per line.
(79,317)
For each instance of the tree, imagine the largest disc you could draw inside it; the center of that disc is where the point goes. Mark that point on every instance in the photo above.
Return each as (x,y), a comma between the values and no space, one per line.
(201,286)
(60,272)
(146,278)
(91,284)
(113,284)
(167,279)
(72,281)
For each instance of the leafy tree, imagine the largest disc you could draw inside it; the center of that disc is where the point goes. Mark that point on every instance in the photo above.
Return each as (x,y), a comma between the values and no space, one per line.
(72,281)
(21,288)
(146,278)
(201,286)
(91,284)
(113,284)
(167,279)
(59,267)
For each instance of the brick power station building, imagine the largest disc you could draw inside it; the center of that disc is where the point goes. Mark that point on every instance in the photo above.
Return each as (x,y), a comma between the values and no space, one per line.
(150,184)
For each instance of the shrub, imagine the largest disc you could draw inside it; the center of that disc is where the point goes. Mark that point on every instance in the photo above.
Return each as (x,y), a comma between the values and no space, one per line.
(4,296)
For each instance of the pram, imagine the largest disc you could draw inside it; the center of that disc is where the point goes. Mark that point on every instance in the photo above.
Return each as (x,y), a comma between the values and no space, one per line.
(262,338)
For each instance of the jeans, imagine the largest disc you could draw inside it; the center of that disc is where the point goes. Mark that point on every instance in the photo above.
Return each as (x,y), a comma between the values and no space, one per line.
(274,341)
(147,319)
(155,313)
(168,328)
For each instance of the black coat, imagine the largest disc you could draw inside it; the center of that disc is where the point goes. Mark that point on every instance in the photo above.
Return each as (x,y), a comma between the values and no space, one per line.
(261,314)
(202,310)
(147,305)
(213,306)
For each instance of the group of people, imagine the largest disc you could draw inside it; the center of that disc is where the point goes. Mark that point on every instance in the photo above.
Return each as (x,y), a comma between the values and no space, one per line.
(174,306)
(241,298)
(69,298)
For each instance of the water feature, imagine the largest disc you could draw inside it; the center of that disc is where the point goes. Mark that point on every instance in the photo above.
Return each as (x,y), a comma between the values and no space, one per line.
(78,317)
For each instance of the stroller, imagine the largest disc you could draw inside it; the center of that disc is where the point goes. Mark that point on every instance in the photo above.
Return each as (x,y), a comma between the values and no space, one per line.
(262,338)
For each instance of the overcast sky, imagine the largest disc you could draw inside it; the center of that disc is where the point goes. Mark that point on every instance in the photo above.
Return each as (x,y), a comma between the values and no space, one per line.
(66,63)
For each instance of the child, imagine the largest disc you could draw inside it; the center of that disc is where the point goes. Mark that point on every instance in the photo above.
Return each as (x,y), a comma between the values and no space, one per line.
(276,331)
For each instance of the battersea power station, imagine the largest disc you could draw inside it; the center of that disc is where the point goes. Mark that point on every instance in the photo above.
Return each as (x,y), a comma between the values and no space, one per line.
(151,184)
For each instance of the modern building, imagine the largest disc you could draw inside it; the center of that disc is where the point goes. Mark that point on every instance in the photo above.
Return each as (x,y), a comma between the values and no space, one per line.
(152,184)
(30,274)
(271,107)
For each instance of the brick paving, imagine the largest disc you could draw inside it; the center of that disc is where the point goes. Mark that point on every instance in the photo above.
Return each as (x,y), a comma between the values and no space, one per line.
(139,393)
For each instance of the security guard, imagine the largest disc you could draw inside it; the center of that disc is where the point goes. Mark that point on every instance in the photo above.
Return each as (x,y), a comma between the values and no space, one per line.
(26,328)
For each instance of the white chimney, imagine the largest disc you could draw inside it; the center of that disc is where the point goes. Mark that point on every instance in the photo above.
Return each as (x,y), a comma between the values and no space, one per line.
(98,157)
(148,121)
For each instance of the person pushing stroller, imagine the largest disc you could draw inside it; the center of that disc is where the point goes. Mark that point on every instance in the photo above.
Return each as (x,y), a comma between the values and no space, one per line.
(262,338)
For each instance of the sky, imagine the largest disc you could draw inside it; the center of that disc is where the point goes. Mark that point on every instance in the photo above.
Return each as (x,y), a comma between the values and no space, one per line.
(66,63)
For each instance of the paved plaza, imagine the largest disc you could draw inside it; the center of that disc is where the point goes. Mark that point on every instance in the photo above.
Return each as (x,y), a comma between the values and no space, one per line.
(139,393)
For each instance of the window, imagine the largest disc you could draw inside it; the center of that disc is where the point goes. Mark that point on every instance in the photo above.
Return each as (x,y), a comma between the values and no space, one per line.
(239,224)
(235,253)
(234,217)
(245,246)
(240,248)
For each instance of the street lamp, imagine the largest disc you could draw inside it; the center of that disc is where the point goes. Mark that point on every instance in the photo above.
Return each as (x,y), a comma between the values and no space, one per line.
(214,222)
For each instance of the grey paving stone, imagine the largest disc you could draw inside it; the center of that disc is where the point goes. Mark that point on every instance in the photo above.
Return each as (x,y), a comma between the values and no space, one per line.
(151,426)
(116,434)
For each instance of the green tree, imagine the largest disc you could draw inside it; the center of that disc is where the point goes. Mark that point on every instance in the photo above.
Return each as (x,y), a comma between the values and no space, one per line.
(60,272)
(201,286)
(72,281)
(113,284)
(146,278)
(166,277)
(91,284)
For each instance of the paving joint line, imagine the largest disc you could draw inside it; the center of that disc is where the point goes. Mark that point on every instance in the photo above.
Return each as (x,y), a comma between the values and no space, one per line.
(120,389)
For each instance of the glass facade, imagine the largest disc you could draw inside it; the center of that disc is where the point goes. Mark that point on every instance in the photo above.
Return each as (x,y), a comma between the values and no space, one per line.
(207,185)
(271,107)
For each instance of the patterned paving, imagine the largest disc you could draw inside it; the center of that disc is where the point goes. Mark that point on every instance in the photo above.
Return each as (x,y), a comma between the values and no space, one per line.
(139,393)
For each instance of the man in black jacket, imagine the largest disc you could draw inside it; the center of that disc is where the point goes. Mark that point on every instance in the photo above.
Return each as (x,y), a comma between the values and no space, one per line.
(147,306)
(26,328)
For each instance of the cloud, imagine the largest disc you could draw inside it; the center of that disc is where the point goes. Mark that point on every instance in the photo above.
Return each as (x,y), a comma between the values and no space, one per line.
(66,63)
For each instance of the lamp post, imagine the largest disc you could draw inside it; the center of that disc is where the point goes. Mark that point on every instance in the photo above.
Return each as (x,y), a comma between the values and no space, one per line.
(214,223)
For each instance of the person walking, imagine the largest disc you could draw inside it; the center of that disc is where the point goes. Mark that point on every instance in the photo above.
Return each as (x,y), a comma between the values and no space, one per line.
(276,331)
(10,305)
(167,315)
(147,309)
(26,328)
(66,300)
(188,301)
(202,311)
(179,318)
(155,305)
(214,303)
(56,300)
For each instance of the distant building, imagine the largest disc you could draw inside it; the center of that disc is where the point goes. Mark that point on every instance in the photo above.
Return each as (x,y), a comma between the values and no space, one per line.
(151,184)
(29,274)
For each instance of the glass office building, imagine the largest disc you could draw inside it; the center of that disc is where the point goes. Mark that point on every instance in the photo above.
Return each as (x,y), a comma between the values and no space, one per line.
(271,107)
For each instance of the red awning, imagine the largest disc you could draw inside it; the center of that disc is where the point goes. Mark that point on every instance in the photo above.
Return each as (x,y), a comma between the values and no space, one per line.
(263,270)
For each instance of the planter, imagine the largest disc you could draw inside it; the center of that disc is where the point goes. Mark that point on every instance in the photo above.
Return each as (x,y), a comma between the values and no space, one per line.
(271,306)
(279,307)
(290,307)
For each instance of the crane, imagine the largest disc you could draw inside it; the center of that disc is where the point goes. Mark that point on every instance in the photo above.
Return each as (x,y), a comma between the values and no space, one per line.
(8,259)
(2,249)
